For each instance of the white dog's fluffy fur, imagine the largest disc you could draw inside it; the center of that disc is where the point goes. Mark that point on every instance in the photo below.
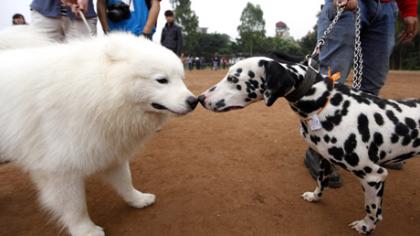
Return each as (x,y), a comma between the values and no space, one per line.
(68,111)
(22,36)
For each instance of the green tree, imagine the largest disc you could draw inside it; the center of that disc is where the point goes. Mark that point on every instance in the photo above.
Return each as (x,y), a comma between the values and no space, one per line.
(252,28)
(209,44)
(188,20)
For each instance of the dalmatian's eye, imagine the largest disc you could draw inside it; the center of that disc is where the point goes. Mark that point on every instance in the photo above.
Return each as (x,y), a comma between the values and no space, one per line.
(162,81)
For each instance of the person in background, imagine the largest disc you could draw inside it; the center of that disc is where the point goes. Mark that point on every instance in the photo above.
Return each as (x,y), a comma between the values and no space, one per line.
(378,18)
(141,18)
(190,62)
(18,19)
(60,19)
(171,34)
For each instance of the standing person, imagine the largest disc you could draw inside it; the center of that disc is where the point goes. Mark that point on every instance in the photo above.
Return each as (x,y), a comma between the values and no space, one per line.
(136,16)
(190,62)
(18,19)
(171,34)
(60,19)
(378,19)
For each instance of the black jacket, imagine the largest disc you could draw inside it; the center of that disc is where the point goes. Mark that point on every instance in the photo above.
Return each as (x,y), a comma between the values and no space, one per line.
(172,38)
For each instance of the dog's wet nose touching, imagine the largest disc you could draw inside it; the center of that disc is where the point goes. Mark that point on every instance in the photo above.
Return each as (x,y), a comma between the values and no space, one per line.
(202,99)
(192,102)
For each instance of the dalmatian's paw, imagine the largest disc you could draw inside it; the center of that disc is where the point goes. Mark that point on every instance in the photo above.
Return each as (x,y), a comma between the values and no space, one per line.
(310,197)
(362,226)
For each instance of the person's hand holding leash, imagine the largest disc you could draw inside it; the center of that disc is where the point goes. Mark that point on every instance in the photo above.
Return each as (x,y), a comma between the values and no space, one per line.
(349,5)
(411,27)
(77,5)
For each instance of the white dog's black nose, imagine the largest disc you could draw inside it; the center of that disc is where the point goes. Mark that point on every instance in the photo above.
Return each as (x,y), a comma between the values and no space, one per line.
(192,102)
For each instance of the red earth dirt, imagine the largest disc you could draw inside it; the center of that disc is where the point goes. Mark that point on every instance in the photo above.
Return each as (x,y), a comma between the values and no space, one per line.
(236,173)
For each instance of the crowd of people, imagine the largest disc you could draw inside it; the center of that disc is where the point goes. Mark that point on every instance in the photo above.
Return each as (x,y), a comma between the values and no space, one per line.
(62,20)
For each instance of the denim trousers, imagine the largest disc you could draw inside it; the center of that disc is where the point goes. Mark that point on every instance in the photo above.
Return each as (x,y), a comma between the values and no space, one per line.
(377,37)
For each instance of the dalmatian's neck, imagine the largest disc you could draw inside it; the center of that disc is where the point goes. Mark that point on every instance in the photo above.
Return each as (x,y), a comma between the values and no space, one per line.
(315,97)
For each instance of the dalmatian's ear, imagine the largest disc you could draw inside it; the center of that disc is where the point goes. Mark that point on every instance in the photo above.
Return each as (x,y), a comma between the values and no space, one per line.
(278,82)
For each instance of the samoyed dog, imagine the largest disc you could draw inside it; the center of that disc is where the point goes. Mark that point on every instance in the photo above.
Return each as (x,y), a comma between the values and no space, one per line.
(68,111)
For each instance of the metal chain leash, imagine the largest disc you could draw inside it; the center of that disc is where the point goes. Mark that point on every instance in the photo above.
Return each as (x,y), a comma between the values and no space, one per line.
(323,39)
(358,54)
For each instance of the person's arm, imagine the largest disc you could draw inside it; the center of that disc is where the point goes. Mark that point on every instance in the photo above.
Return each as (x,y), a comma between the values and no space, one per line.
(408,13)
(101,9)
(179,41)
(77,5)
(162,37)
(153,16)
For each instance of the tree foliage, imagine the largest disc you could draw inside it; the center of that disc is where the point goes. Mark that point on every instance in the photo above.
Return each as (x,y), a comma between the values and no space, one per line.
(252,28)
(188,20)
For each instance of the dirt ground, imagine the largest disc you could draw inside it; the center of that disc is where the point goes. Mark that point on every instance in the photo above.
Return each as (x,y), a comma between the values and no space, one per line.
(237,173)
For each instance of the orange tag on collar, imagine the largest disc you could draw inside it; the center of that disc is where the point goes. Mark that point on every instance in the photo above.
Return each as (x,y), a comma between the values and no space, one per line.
(335,76)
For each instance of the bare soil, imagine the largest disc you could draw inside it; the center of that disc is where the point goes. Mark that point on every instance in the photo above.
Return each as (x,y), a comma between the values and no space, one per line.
(236,173)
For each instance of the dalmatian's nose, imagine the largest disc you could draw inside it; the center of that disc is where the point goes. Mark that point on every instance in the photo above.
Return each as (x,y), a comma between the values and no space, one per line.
(202,99)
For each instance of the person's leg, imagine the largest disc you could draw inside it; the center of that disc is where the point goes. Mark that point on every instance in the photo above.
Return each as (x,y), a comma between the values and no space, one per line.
(78,29)
(378,40)
(337,54)
(50,26)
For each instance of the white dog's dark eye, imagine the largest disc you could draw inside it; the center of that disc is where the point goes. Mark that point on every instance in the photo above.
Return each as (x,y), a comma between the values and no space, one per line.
(162,81)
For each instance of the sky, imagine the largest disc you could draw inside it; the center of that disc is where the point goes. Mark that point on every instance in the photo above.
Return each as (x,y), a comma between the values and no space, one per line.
(221,16)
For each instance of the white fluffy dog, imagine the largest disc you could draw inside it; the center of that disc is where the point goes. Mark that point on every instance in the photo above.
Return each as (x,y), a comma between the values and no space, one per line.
(68,111)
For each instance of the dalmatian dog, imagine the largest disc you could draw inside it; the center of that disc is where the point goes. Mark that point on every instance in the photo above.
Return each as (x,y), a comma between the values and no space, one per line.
(355,130)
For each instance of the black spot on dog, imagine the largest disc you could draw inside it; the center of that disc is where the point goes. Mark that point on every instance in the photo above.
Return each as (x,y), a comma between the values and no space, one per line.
(239,70)
(212,89)
(337,99)
(367,209)
(239,87)
(401,129)
(337,153)
(373,206)
(378,140)
(305,129)
(252,95)
(410,123)
(379,119)
(392,117)
(326,138)
(380,171)
(315,139)
(373,153)
(382,155)
(248,99)
(394,138)
(251,74)
(352,159)
(367,169)
(254,83)
(350,143)
(334,140)
(416,143)
(220,103)
(380,194)
(359,173)
(363,127)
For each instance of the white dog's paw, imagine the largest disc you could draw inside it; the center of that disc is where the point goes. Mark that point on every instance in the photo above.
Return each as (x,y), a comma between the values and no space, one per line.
(92,230)
(362,226)
(141,200)
(310,197)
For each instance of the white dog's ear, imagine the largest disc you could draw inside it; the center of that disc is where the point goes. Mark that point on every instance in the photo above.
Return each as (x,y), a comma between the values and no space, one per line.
(115,51)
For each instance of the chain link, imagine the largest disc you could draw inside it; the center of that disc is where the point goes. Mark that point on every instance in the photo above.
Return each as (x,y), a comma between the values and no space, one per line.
(324,37)
(358,55)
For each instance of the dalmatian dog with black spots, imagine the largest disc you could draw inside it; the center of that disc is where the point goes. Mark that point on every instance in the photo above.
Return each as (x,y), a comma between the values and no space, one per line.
(355,130)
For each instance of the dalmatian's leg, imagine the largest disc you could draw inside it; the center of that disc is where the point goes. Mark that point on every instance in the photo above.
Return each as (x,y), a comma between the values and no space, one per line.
(322,182)
(373,186)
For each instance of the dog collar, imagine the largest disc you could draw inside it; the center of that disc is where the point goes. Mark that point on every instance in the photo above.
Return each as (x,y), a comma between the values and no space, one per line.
(305,85)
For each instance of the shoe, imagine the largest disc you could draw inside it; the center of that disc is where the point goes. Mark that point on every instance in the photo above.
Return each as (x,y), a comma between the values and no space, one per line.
(312,162)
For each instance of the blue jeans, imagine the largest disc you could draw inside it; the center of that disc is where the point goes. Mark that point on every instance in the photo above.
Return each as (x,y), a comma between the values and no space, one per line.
(377,37)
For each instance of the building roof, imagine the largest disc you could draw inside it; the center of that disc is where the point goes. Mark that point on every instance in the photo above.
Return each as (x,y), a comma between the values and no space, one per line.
(281,24)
